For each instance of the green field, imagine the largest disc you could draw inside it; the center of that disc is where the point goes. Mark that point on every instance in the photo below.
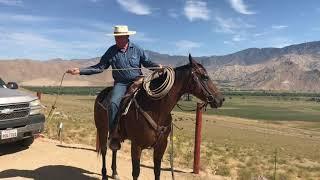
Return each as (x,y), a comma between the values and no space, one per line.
(65,90)
(261,105)
(265,108)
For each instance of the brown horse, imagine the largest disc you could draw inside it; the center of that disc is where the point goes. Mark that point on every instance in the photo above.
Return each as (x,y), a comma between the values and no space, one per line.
(191,78)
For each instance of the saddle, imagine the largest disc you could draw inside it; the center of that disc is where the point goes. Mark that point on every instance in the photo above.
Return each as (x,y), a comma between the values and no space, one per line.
(125,104)
(103,99)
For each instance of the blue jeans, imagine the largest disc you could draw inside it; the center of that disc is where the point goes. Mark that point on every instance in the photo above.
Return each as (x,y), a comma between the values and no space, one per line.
(118,91)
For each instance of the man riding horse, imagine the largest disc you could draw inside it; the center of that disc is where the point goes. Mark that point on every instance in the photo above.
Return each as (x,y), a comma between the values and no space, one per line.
(123,55)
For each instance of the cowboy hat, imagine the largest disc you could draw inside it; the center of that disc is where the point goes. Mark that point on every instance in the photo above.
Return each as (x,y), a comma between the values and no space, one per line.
(121,30)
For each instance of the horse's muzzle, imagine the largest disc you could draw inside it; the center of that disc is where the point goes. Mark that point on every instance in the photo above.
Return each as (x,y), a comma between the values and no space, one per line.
(216,102)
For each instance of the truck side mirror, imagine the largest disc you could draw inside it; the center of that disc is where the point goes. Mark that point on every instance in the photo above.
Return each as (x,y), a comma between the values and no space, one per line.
(12,85)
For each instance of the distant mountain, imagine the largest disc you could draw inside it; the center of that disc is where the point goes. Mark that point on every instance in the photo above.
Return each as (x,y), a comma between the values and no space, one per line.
(49,73)
(284,75)
(257,56)
(294,67)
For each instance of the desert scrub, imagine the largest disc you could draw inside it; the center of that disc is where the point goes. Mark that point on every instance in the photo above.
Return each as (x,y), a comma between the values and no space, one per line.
(244,174)
(223,170)
(248,173)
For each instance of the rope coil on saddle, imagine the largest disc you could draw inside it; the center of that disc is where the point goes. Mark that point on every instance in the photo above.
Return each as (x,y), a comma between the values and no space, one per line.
(164,88)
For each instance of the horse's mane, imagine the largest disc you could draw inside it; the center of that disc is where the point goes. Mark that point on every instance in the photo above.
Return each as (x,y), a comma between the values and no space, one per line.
(183,67)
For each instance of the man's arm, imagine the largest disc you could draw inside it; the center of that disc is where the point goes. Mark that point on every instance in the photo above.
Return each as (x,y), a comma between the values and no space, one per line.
(98,68)
(145,60)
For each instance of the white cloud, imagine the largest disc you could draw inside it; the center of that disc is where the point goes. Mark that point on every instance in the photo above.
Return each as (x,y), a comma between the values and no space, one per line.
(225,25)
(23,17)
(277,42)
(230,25)
(279,26)
(100,26)
(31,36)
(228,43)
(186,45)
(142,37)
(173,13)
(29,39)
(196,10)
(11,2)
(135,7)
(260,34)
(240,7)
(44,44)
(238,38)
(281,44)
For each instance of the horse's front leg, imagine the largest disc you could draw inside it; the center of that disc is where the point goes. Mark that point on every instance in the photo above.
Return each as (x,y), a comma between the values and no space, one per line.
(114,166)
(157,157)
(135,158)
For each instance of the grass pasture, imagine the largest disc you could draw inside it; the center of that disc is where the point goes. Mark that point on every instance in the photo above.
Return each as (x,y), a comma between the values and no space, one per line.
(239,140)
(267,108)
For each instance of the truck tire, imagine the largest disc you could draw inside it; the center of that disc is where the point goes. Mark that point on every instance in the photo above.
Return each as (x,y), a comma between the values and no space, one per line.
(26,142)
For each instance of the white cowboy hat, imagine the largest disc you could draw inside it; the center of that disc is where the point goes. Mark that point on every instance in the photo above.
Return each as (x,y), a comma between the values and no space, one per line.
(121,30)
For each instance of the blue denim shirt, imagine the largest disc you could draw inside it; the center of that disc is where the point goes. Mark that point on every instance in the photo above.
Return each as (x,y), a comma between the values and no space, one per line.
(133,57)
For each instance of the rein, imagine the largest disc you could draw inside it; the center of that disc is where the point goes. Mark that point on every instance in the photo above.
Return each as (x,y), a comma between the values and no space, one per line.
(125,69)
(190,110)
(53,107)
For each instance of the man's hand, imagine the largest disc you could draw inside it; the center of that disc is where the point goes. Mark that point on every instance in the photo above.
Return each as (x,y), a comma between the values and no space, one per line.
(160,70)
(73,71)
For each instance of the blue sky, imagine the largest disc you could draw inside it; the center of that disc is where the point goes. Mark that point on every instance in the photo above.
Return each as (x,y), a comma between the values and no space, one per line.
(43,29)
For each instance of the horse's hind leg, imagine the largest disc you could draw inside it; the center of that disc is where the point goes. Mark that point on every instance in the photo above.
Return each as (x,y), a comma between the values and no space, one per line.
(157,157)
(135,158)
(114,165)
(104,170)
(103,150)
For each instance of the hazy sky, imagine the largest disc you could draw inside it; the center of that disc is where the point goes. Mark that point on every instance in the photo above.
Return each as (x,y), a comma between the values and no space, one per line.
(43,29)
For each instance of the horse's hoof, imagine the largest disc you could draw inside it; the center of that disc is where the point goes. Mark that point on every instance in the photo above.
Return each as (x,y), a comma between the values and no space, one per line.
(116,177)
(105,178)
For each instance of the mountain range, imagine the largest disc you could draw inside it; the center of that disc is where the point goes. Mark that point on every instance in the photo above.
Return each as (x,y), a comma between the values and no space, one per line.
(295,68)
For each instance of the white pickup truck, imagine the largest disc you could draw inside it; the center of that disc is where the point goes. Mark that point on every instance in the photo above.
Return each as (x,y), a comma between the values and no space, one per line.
(20,115)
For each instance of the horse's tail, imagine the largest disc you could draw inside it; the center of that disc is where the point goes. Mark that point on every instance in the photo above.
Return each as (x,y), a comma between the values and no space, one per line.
(101,122)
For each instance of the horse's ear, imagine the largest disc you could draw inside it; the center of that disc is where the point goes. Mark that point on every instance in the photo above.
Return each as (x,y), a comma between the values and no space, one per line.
(190,59)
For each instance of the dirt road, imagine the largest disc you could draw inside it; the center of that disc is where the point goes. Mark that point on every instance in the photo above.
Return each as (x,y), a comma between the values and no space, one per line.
(48,160)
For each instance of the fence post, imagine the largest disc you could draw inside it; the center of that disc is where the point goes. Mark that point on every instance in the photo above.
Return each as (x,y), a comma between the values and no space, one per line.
(196,161)
(39,95)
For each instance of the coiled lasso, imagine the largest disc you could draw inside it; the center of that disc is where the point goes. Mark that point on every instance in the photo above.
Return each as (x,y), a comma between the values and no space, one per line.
(164,88)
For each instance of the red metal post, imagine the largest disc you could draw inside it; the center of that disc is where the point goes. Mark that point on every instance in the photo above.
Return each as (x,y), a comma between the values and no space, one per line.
(39,95)
(196,161)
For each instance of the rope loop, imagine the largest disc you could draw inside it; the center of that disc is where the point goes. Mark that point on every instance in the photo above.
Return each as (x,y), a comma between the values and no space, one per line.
(164,88)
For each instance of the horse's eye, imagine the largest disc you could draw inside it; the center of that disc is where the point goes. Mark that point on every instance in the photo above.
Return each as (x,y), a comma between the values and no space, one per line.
(205,77)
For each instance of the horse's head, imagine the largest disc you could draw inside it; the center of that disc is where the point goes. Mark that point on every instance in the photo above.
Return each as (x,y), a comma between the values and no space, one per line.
(202,86)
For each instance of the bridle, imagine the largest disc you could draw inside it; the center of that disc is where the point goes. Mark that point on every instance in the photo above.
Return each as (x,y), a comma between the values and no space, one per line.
(202,82)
